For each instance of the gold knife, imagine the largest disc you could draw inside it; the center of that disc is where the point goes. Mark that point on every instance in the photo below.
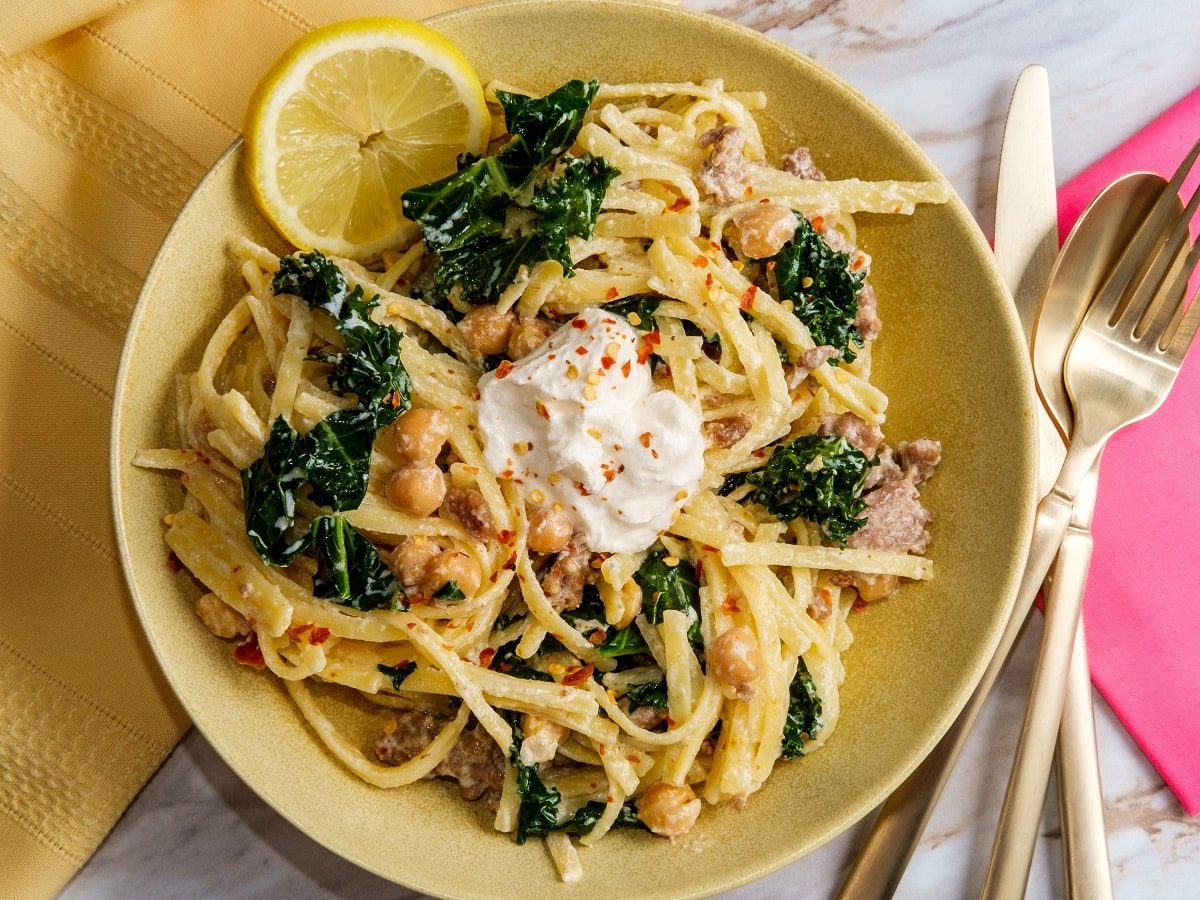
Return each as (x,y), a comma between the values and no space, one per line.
(1026,244)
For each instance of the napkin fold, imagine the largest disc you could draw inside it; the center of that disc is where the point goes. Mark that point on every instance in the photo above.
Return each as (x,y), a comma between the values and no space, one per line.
(1142,605)
(105,130)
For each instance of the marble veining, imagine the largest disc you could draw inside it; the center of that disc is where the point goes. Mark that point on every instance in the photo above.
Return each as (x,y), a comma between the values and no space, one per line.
(944,70)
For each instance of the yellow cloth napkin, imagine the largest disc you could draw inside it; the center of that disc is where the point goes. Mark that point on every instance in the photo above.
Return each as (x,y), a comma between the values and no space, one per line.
(104,131)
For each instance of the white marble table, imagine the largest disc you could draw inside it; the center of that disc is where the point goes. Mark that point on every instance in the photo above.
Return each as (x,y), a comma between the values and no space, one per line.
(943,69)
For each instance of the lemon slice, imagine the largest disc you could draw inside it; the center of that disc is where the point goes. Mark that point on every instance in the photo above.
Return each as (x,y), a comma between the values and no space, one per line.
(348,119)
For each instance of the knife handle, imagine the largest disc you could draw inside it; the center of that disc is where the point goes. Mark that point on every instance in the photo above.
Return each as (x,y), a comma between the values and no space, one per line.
(1081,803)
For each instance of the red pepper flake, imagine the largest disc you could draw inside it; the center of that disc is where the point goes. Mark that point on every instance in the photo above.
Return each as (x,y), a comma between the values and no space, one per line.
(857,264)
(494,577)
(680,204)
(609,475)
(248,653)
(626,368)
(395,399)
(650,341)
(296,632)
(699,567)
(654,453)
(748,297)
(760,452)
(610,798)
(578,674)
(504,369)
(411,625)
(580,323)
(504,536)
(730,605)
(645,437)
(602,749)
(581,351)
(708,280)
(596,638)
(319,636)
(511,562)
(607,362)
(770,265)
(709,548)
(542,409)
(611,294)
(859,603)
(701,261)
(173,562)
(818,222)
(633,758)
(670,723)
(486,655)
(508,473)
(552,356)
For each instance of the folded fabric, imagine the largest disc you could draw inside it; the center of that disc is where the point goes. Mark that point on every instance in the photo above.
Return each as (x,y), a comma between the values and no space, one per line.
(1143,621)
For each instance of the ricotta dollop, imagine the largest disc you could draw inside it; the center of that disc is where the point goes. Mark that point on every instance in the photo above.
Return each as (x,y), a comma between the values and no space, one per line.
(579,422)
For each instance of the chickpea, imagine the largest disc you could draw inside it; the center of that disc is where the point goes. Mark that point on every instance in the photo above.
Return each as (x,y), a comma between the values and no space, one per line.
(419,435)
(410,560)
(542,738)
(416,490)
(763,229)
(733,657)
(487,331)
(669,809)
(875,587)
(549,530)
(451,565)
(527,335)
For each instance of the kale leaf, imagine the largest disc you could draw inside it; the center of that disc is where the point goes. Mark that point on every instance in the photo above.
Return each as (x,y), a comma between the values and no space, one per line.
(337,458)
(803,715)
(824,291)
(622,642)
(398,673)
(538,812)
(644,306)
(816,478)
(589,814)
(450,591)
(507,661)
(350,570)
(370,369)
(652,693)
(463,216)
(670,587)
(269,486)
(314,278)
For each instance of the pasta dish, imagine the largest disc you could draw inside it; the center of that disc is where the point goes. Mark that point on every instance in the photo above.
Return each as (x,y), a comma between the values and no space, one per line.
(580,483)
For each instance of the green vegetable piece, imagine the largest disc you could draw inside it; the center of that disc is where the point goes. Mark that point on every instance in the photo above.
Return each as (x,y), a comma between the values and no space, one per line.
(314,278)
(828,303)
(350,570)
(569,203)
(653,693)
(337,457)
(398,673)
(670,587)
(371,368)
(507,662)
(589,814)
(450,591)
(816,478)
(622,642)
(644,305)
(803,715)
(538,813)
(269,486)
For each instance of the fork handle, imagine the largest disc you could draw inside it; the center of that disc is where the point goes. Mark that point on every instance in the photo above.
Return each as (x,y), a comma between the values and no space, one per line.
(1081,802)
(884,855)
(1016,835)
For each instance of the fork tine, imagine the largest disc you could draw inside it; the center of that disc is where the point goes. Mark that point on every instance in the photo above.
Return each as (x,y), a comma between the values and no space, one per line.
(1160,306)
(1107,303)
(1178,335)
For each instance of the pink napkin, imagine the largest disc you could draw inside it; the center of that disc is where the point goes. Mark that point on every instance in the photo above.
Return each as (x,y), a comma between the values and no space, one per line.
(1143,598)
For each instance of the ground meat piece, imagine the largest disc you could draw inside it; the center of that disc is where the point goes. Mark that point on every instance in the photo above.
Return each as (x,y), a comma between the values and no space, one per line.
(821,605)
(810,361)
(471,510)
(475,761)
(726,432)
(570,571)
(887,470)
(648,717)
(867,321)
(724,175)
(527,335)
(415,729)
(799,162)
(220,618)
(895,519)
(858,433)
(919,458)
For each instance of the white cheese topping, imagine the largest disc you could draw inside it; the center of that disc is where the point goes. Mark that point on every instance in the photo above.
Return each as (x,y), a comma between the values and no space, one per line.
(580,423)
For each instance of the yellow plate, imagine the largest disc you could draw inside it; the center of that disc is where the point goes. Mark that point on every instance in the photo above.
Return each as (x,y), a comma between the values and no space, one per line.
(951,358)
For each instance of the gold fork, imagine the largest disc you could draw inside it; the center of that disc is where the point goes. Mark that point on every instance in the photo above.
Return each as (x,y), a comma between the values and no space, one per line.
(1121,366)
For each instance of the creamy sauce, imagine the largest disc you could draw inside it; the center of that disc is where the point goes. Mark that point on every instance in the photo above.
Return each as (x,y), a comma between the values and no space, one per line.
(580,423)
